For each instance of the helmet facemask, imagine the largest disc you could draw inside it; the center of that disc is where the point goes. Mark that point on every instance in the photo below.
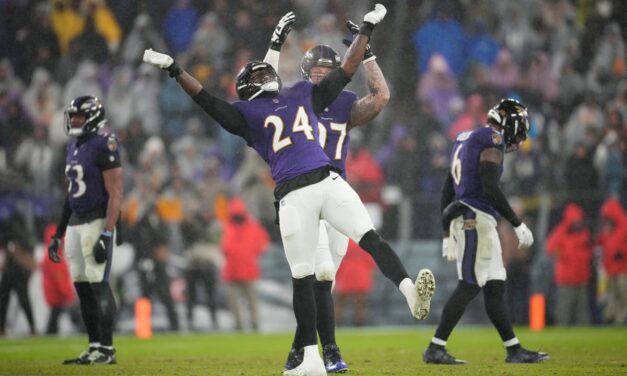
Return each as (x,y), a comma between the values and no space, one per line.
(257,78)
(93,111)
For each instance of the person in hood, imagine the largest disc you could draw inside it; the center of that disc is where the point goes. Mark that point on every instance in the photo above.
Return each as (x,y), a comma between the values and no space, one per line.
(243,241)
(571,245)
(613,240)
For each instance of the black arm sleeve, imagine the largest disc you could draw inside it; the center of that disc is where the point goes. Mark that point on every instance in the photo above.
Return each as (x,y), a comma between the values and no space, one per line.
(448,192)
(65,218)
(328,89)
(223,112)
(489,174)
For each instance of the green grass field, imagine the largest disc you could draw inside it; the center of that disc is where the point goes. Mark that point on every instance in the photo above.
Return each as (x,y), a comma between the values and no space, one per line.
(577,351)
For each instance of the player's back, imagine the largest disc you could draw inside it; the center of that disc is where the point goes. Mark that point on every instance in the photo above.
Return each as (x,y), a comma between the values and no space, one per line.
(284,132)
(465,162)
(334,125)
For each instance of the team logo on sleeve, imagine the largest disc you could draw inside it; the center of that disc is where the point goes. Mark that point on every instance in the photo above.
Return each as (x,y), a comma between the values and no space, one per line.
(112,143)
(497,139)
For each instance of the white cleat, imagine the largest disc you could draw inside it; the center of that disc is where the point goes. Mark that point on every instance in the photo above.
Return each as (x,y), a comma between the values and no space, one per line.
(312,365)
(425,287)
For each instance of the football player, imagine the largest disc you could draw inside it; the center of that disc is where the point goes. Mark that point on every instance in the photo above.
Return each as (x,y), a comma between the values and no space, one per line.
(90,212)
(335,122)
(277,124)
(471,201)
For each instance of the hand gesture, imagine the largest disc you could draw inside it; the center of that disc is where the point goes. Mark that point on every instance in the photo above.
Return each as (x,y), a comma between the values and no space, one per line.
(162,61)
(53,250)
(375,16)
(354,30)
(102,247)
(281,31)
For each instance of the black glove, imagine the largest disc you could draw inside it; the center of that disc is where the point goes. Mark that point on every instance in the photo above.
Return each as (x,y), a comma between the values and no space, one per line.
(354,30)
(53,249)
(281,30)
(102,247)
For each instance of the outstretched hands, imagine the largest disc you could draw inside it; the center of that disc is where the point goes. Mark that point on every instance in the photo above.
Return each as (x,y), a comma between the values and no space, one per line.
(281,31)
(354,30)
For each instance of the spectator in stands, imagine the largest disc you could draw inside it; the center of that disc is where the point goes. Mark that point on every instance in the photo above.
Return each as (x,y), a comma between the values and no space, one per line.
(585,125)
(66,23)
(438,86)
(505,74)
(143,35)
(571,244)
(582,180)
(179,25)
(353,283)
(613,239)
(42,97)
(91,44)
(243,241)
(84,80)
(474,116)
(444,35)
(104,22)
(213,40)
(120,100)
(35,158)
(481,45)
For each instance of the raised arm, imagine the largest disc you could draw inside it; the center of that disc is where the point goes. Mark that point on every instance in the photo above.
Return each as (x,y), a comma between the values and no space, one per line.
(368,107)
(332,85)
(223,112)
(279,36)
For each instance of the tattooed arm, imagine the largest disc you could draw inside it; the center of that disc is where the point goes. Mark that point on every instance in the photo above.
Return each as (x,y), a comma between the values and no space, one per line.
(368,107)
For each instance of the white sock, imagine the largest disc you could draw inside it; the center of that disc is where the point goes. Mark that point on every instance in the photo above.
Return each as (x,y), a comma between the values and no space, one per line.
(408,289)
(311,351)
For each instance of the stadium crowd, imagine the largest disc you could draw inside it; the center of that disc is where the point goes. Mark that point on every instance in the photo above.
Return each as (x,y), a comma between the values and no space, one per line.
(445,61)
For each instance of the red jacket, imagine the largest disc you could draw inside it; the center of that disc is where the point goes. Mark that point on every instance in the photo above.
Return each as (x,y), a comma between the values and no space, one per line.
(56,279)
(243,241)
(355,272)
(613,239)
(365,175)
(572,248)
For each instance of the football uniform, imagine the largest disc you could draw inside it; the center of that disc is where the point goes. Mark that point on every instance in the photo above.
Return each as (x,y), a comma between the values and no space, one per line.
(283,131)
(86,158)
(473,234)
(334,125)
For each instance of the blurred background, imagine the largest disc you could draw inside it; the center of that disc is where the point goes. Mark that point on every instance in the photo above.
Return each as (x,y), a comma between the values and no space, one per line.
(446,62)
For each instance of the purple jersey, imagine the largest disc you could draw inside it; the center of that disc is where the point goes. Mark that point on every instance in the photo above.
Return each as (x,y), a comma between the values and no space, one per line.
(84,164)
(284,132)
(335,122)
(465,166)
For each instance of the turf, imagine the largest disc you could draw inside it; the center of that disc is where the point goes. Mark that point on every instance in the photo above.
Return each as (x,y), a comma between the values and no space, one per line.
(576,351)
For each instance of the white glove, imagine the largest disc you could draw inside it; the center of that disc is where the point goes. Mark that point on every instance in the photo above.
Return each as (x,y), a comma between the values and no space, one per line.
(157,59)
(525,237)
(448,252)
(375,16)
(281,30)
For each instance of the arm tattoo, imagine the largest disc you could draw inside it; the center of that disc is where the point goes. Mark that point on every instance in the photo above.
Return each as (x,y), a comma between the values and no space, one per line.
(368,107)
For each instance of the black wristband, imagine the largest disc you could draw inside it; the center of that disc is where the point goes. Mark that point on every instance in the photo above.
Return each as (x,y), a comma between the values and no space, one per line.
(276,46)
(366,29)
(174,70)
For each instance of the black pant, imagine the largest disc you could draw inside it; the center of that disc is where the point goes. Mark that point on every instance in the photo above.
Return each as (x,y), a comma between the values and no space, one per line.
(157,281)
(15,278)
(208,279)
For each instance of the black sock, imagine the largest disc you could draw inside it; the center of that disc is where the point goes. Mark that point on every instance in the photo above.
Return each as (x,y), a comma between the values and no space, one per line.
(494,299)
(89,310)
(305,310)
(513,348)
(325,312)
(387,260)
(454,308)
(106,305)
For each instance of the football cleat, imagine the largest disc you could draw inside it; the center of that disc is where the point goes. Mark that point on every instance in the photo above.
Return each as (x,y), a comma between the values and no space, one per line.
(102,356)
(333,361)
(440,356)
(294,358)
(312,364)
(83,358)
(522,355)
(425,287)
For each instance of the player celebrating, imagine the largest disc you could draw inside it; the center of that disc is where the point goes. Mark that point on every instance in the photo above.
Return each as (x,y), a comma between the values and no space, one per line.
(346,112)
(476,167)
(278,126)
(90,212)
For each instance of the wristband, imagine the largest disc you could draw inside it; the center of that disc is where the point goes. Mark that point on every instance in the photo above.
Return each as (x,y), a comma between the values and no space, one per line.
(174,70)
(107,233)
(366,29)
(369,59)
